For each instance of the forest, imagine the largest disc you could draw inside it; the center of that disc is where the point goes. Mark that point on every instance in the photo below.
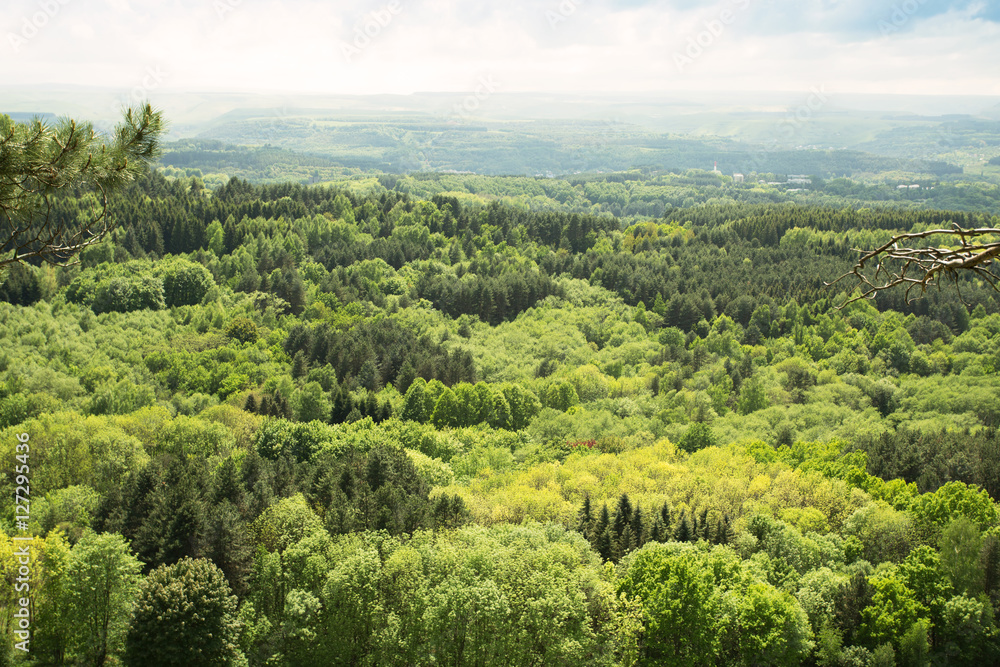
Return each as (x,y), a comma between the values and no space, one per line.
(412,424)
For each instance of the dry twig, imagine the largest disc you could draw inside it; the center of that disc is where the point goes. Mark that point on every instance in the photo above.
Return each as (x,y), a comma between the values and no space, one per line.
(897,264)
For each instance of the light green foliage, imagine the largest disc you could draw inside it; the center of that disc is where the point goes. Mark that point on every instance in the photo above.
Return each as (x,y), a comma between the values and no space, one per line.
(120,288)
(68,449)
(311,403)
(817,596)
(709,608)
(892,612)
(967,633)
(103,581)
(69,509)
(934,511)
(523,403)
(676,591)
(415,402)
(561,396)
(753,397)
(433,471)
(56,626)
(446,411)
(763,624)
(922,573)
(518,594)
(914,647)
(960,545)
(804,434)
(89,592)
(886,533)
(285,523)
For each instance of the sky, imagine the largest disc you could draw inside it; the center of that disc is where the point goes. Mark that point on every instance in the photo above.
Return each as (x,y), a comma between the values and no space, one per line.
(569,46)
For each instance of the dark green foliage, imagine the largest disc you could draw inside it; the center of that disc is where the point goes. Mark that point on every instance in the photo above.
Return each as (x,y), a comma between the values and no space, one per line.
(185,283)
(40,162)
(683,531)
(622,516)
(174,526)
(242,329)
(20,285)
(226,542)
(851,599)
(698,436)
(379,351)
(125,294)
(932,459)
(380,490)
(585,520)
(185,615)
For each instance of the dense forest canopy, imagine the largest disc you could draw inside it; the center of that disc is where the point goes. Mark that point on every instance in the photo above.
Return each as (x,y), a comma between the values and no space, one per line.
(395,426)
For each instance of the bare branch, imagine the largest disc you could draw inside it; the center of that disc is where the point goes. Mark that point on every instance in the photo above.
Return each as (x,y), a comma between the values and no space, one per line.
(896,263)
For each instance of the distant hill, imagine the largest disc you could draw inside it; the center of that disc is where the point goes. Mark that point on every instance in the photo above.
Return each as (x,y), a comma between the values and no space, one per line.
(405,143)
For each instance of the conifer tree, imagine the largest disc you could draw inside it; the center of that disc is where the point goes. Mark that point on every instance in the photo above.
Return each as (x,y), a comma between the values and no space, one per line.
(622,516)
(623,544)
(683,531)
(638,528)
(657,532)
(38,160)
(667,519)
(585,519)
(600,526)
(605,544)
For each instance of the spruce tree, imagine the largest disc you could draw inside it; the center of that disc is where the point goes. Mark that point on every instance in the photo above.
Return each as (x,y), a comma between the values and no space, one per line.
(300,365)
(638,528)
(624,544)
(585,519)
(657,533)
(605,544)
(683,531)
(622,517)
(666,518)
(600,526)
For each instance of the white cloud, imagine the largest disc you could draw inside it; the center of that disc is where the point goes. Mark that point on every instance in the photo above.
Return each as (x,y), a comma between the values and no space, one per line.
(83,31)
(447,44)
